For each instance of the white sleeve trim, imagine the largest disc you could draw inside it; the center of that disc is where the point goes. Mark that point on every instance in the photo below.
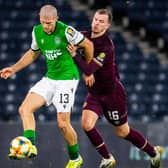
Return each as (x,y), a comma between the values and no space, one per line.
(34,45)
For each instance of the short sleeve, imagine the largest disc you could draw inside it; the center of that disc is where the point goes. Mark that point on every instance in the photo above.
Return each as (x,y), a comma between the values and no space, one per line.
(34,45)
(73,36)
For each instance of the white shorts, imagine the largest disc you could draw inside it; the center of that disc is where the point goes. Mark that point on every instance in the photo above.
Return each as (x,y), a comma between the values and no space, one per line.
(61,93)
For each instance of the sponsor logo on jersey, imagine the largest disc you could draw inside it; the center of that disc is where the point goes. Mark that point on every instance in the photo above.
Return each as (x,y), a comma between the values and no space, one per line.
(53,54)
(57,40)
(70,31)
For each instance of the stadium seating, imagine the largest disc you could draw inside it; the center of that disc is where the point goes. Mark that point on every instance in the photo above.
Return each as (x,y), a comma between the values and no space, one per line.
(144,78)
(142,74)
(150,14)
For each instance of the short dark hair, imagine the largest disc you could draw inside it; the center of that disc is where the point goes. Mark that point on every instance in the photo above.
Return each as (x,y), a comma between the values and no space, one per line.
(106,12)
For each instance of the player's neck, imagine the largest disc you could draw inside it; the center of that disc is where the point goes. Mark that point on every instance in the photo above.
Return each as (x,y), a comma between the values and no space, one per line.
(96,35)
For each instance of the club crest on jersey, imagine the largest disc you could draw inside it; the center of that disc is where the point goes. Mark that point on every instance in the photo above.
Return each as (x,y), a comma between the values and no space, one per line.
(101,57)
(57,40)
(70,31)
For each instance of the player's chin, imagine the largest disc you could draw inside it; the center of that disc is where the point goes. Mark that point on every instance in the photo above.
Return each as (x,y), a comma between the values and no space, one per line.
(47,31)
(95,31)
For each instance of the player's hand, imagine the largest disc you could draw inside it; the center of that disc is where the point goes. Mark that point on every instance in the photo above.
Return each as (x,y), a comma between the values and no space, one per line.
(72,49)
(6,72)
(89,80)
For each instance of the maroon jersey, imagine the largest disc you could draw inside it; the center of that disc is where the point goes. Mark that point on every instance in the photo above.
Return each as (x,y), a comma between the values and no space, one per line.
(103,64)
(107,96)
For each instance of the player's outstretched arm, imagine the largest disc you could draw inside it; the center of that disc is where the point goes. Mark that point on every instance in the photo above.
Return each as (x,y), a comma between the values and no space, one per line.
(6,72)
(29,57)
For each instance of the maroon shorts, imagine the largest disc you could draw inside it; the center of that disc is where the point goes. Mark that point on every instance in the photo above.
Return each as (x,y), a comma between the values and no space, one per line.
(113,105)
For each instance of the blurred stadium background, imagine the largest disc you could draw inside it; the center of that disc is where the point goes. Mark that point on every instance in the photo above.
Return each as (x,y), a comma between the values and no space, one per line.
(139,32)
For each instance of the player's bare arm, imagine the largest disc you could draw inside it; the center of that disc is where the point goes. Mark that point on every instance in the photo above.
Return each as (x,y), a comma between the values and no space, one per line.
(29,57)
(87,45)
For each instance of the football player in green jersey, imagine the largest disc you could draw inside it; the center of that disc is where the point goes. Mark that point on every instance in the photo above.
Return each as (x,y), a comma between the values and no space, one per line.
(59,84)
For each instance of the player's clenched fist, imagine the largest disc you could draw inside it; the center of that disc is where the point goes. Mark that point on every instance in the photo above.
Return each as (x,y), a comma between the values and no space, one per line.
(6,72)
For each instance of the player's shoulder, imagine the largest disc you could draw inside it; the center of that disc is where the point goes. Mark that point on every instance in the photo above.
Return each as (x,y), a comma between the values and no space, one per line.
(37,27)
(61,24)
(71,31)
(107,37)
(108,41)
(86,33)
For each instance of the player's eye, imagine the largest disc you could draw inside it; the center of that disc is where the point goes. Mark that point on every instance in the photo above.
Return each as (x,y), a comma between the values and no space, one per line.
(101,21)
(95,19)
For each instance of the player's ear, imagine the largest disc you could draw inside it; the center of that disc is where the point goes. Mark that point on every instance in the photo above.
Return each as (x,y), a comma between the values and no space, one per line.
(108,26)
(57,17)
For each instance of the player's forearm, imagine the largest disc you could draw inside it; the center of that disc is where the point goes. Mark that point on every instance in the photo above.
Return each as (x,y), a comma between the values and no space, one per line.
(87,68)
(88,52)
(24,61)
(87,45)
